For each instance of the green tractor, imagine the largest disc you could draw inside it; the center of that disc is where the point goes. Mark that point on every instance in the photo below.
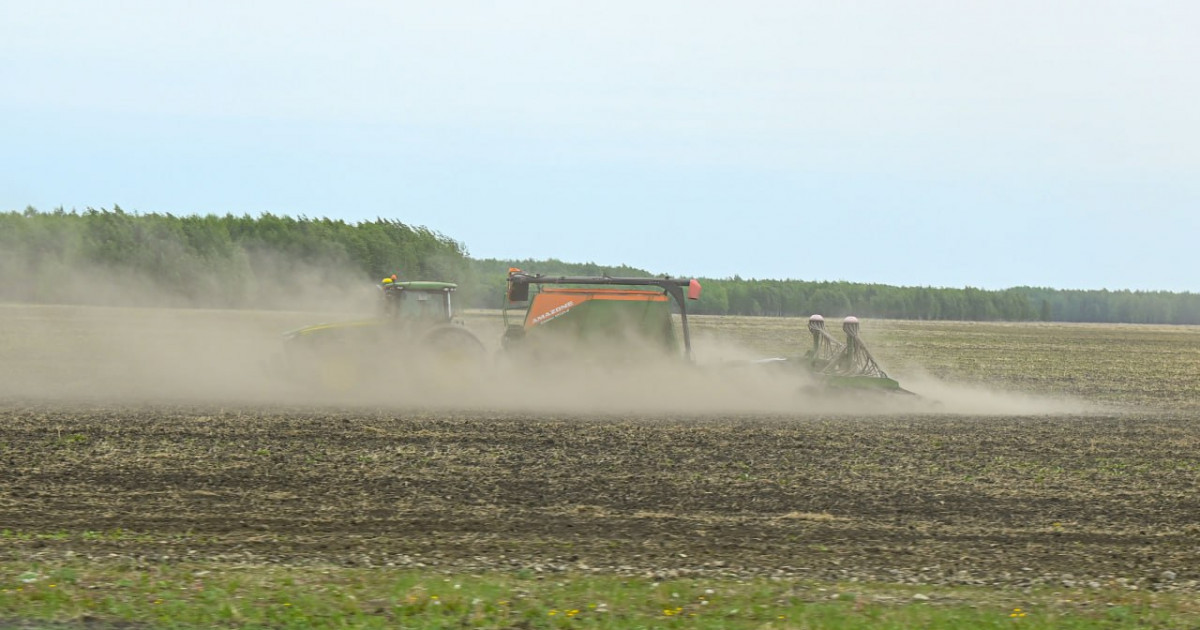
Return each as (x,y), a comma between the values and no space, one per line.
(610,319)
(414,336)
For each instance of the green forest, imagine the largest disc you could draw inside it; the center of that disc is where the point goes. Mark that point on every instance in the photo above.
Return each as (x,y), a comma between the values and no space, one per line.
(233,261)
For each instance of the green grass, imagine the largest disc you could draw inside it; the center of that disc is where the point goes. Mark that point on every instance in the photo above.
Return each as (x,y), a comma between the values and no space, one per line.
(194,595)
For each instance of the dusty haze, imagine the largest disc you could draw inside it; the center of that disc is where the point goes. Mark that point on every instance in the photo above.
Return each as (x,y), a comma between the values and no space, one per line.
(192,354)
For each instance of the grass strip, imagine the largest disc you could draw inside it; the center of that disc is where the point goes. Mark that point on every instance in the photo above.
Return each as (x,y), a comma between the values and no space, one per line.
(127,593)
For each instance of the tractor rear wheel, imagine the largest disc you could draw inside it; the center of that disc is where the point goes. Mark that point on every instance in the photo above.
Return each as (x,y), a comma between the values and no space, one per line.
(453,345)
(450,357)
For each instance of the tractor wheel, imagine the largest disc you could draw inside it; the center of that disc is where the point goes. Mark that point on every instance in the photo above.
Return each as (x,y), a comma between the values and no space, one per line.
(453,345)
(451,358)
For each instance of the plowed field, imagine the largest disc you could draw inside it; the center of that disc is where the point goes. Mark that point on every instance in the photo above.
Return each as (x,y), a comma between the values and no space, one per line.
(1101,495)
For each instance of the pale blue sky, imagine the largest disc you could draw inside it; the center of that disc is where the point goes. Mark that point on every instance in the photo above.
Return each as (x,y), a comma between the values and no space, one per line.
(989,144)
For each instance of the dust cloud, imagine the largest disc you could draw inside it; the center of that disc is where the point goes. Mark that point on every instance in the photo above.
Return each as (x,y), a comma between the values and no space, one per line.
(114,334)
(190,354)
(278,282)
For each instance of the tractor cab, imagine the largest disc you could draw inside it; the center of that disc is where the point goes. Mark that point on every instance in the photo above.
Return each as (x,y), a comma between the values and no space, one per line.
(425,302)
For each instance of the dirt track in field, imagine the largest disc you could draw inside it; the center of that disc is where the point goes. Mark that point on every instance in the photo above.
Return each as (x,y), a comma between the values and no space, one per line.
(928,499)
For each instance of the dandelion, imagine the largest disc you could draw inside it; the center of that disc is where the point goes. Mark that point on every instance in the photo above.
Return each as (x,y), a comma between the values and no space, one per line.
(1017,613)
(553,612)
(572,612)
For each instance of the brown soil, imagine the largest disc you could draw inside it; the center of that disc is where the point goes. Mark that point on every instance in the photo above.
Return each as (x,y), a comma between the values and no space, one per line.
(921,499)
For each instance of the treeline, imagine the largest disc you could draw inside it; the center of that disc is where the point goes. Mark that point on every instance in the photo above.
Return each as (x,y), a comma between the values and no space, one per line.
(242,261)
(800,298)
(212,260)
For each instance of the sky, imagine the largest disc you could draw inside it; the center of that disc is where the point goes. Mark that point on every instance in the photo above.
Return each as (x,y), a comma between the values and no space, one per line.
(986,144)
